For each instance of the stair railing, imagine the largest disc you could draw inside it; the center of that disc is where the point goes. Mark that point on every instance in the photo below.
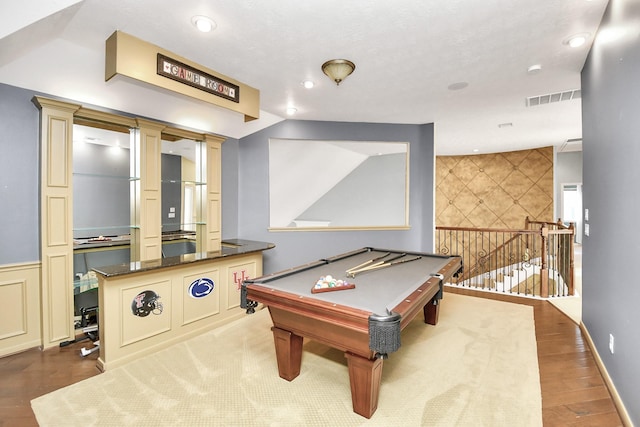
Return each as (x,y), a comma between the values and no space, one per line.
(535,261)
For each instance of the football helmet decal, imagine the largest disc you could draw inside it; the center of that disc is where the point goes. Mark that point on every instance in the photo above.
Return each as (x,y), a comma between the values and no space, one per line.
(146,302)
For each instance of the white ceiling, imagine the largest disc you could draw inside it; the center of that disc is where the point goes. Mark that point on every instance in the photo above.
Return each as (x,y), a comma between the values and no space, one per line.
(407,53)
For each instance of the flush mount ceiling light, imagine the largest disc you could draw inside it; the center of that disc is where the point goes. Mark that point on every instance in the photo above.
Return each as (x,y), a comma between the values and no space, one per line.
(577,40)
(338,69)
(534,69)
(291,111)
(203,23)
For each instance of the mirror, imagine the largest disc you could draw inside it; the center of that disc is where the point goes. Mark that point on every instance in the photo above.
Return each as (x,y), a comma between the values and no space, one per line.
(318,184)
(102,212)
(100,182)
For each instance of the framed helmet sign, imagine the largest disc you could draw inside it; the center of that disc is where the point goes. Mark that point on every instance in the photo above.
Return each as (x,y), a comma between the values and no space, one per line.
(145,303)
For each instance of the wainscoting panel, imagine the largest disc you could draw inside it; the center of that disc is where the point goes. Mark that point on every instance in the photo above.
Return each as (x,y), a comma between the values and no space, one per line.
(19,307)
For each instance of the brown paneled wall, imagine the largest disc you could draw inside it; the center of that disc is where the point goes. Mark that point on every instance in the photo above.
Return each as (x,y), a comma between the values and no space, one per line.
(495,190)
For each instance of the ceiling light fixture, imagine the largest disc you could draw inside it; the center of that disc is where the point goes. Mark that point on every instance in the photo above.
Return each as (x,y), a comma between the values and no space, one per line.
(338,69)
(577,40)
(203,23)
(291,111)
(308,84)
(534,69)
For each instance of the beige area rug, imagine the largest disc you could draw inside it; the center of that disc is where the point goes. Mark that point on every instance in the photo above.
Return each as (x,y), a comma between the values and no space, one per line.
(477,367)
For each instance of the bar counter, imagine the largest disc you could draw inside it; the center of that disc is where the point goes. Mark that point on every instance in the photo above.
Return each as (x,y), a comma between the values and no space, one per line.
(230,248)
(149,305)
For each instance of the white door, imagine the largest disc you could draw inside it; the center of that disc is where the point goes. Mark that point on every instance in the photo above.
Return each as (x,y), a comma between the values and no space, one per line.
(572,207)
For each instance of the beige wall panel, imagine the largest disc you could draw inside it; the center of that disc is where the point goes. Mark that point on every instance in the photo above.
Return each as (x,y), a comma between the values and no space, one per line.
(237,274)
(214,161)
(214,234)
(152,251)
(136,328)
(193,308)
(151,160)
(57,219)
(58,150)
(59,296)
(125,337)
(151,218)
(13,306)
(19,308)
(213,216)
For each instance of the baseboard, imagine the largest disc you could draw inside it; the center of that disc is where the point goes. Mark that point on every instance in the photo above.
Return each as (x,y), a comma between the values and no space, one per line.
(617,401)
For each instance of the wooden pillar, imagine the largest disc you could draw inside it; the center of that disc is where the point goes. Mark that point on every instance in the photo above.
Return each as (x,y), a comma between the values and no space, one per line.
(56,220)
(544,270)
(209,195)
(146,191)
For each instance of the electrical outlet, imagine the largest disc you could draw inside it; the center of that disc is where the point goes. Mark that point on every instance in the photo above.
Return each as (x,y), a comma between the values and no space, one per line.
(611,342)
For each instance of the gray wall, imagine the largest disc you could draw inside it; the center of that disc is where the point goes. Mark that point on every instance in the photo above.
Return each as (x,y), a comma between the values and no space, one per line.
(299,247)
(19,176)
(611,161)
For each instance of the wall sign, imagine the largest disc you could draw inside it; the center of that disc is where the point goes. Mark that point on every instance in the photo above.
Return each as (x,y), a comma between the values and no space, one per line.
(200,288)
(183,73)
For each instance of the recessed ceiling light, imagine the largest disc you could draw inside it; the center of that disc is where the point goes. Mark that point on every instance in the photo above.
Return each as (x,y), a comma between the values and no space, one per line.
(576,40)
(505,125)
(534,69)
(291,111)
(458,86)
(475,150)
(203,23)
(308,84)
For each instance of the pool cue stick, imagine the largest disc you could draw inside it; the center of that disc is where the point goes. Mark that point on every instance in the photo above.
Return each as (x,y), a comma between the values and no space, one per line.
(390,261)
(402,261)
(379,263)
(368,262)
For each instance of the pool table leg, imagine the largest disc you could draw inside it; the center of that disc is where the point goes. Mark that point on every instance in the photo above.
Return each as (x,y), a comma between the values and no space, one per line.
(431,312)
(288,353)
(364,376)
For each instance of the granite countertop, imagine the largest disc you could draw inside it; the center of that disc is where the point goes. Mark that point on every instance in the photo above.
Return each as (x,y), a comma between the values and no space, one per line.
(230,247)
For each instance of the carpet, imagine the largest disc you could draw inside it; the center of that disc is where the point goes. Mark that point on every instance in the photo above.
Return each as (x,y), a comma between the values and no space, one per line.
(477,367)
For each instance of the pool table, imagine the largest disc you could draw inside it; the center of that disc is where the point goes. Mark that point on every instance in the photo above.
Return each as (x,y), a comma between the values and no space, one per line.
(364,319)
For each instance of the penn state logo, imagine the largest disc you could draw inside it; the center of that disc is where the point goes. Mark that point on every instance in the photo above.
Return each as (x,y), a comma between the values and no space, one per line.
(202,287)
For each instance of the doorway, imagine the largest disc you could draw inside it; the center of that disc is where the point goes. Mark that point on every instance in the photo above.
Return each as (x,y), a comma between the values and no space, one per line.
(572,207)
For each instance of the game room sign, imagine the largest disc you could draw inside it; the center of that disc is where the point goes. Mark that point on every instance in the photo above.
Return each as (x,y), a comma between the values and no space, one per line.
(185,74)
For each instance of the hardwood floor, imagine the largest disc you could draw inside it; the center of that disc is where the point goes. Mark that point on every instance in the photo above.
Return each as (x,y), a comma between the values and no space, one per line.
(573,391)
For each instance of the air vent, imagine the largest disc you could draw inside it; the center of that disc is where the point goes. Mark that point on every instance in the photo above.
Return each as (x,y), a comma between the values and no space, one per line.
(553,97)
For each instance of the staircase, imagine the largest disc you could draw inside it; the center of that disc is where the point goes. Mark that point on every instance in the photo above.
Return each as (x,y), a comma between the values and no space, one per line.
(536,261)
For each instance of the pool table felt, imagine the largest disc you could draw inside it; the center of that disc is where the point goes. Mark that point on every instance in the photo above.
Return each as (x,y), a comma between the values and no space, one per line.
(376,291)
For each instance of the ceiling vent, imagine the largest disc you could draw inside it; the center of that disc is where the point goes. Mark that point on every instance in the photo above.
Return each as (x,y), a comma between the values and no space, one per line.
(553,97)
